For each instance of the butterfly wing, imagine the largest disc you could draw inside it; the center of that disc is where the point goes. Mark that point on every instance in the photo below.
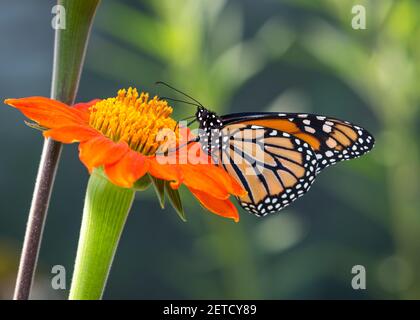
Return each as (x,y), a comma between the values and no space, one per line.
(274,167)
(333,140)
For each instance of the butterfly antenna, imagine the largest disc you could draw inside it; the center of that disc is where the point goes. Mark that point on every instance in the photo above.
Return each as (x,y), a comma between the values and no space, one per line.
(179,91)
(178,100)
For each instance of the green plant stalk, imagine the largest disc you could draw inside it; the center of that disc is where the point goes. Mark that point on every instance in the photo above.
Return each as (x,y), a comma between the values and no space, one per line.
(104,215)
(69,52)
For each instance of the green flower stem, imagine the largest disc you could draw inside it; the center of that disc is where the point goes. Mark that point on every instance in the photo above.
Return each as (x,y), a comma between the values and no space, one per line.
(70,48)
(104,215)
(69,52)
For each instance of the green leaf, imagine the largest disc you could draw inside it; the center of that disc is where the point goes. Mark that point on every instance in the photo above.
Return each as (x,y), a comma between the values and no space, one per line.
(143,183)
(159,186)
(34,125)
(175,200)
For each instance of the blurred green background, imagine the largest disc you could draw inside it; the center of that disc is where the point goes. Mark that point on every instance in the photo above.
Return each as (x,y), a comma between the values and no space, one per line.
(233,56)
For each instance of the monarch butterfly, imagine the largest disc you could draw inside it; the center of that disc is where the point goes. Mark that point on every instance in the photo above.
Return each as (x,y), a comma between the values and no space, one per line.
(293,149)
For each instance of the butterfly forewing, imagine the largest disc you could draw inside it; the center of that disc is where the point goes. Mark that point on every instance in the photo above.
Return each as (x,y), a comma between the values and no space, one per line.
(274,167)
(333,140)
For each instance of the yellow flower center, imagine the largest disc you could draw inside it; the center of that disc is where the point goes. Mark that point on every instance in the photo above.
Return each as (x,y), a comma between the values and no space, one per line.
(144,124)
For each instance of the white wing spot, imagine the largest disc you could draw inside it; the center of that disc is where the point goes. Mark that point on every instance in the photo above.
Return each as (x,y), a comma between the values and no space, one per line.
(326,128)
(309,129)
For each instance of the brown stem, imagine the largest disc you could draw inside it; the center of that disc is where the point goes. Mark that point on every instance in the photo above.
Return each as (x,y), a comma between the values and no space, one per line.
(40,201)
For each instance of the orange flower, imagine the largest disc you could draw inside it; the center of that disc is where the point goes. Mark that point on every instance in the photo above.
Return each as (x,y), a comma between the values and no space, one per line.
(121,135)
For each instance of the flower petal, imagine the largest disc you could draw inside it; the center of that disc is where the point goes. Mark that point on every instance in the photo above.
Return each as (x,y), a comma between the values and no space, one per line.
(83,107)
(222,177)
(47,112)
(166,172)
(196,177)
(131,167)
(101,151)
(223,208)
(70,134)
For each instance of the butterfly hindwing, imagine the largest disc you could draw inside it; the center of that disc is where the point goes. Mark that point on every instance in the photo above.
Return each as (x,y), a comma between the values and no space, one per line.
(274,167)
